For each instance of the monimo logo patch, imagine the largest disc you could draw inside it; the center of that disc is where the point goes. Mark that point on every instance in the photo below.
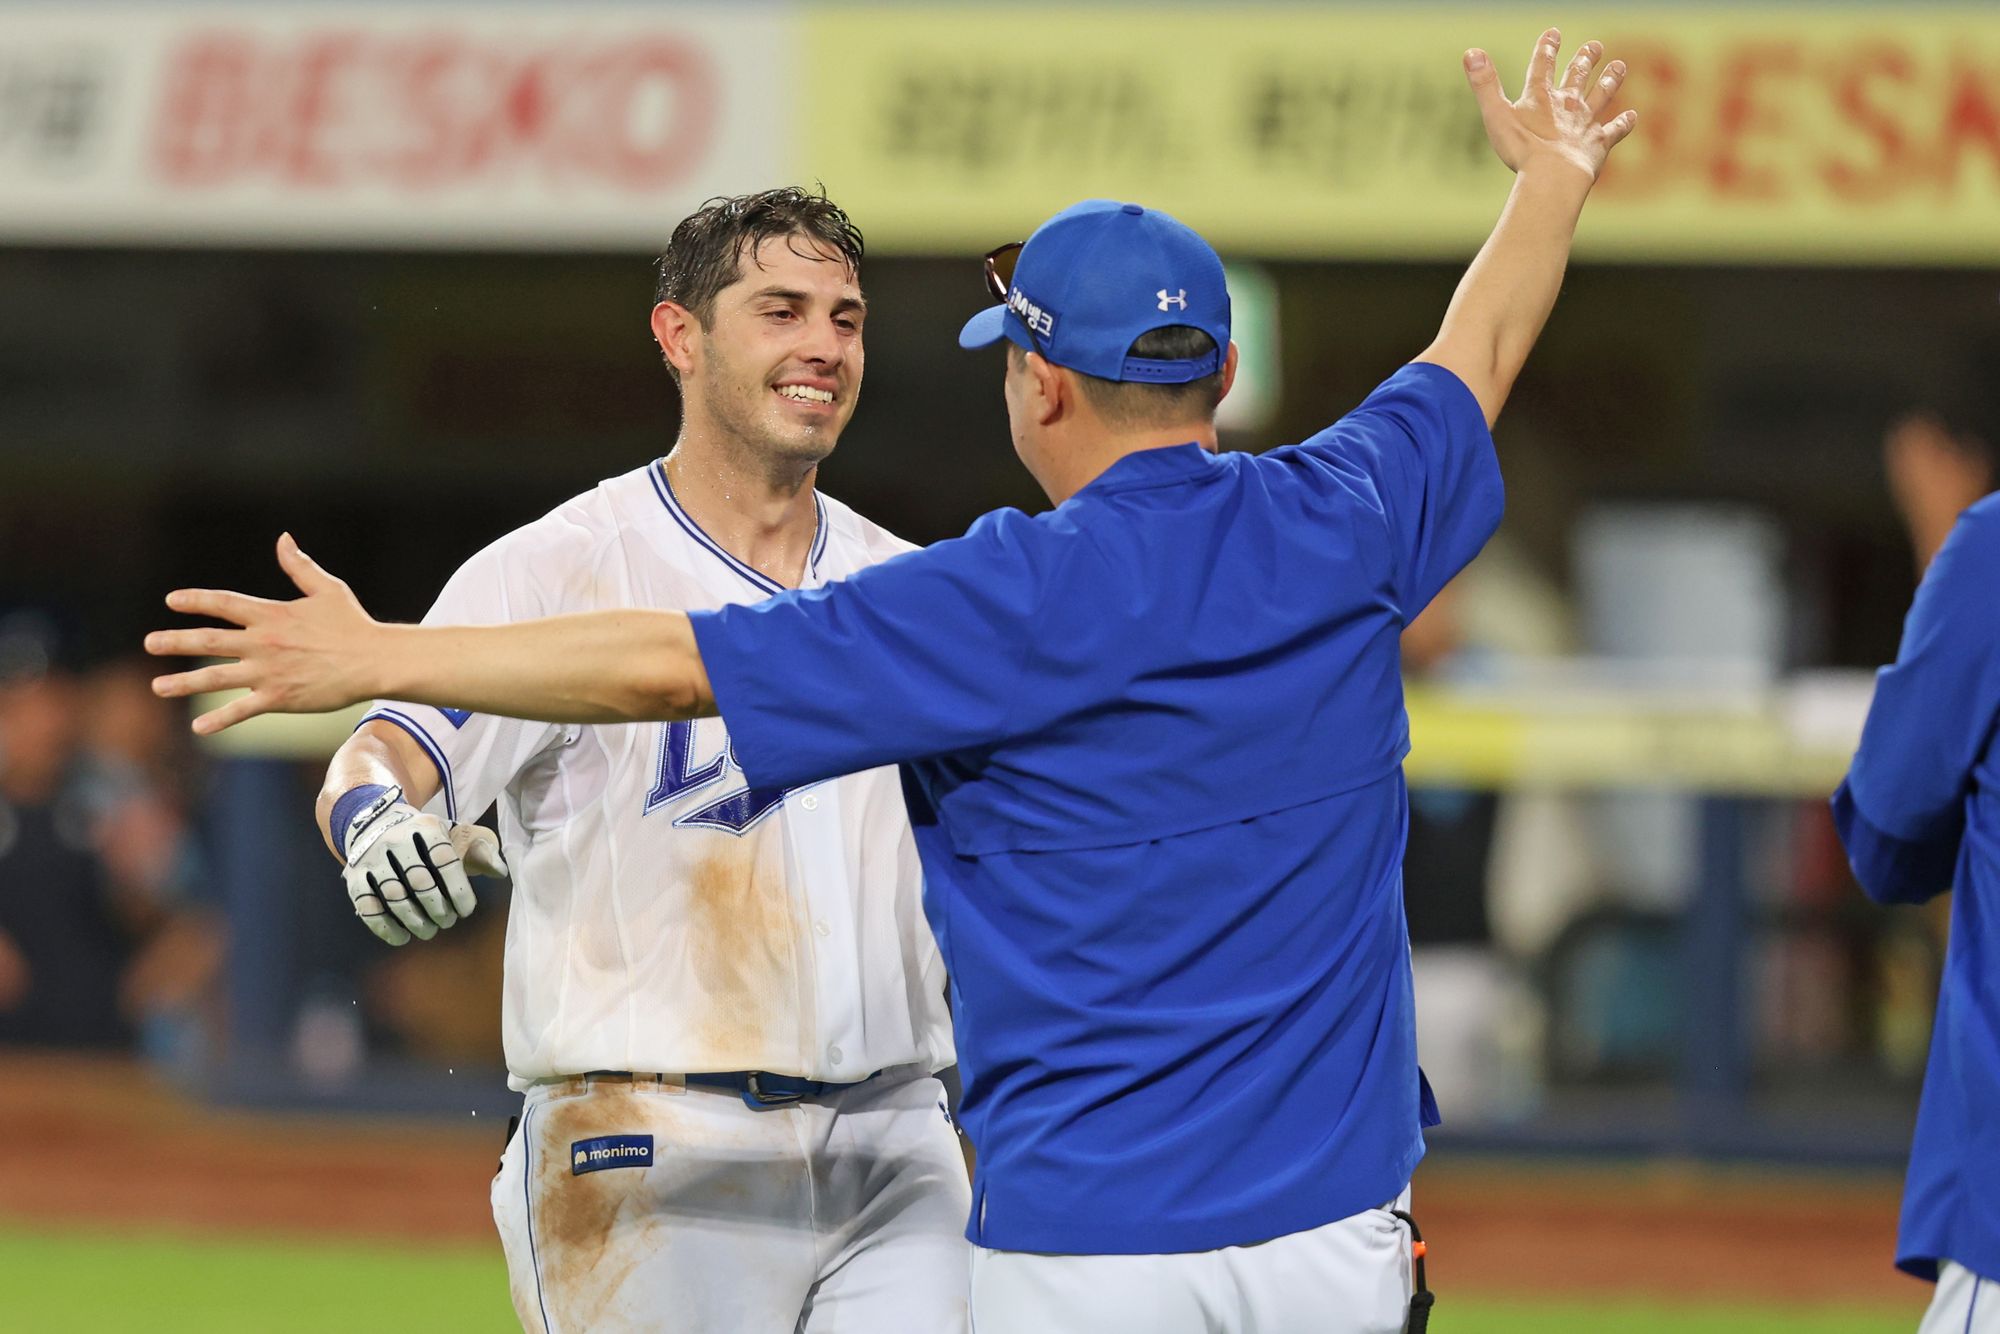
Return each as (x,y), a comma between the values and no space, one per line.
(594,1155)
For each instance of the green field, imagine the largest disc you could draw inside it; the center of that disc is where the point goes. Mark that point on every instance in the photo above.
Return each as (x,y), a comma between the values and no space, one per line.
(54,1282)
(1468,1315)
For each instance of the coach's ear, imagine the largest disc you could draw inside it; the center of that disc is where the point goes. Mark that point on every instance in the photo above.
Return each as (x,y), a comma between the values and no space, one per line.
(1228,371)
(1051,393)
(676,329)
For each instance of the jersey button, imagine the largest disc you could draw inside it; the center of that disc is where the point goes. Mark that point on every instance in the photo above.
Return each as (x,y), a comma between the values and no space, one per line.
(823,928)
(809,801)
(833,1054)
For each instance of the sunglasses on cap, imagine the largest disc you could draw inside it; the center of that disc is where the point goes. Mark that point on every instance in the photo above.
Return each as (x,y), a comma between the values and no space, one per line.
(1000,263)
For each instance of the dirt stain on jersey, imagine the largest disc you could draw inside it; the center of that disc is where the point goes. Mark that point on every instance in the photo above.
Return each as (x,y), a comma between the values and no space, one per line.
(741,937)
(577,1218)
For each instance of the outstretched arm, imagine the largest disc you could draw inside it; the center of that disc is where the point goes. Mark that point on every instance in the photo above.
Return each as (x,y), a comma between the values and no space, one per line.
(1554,140)
(323,651)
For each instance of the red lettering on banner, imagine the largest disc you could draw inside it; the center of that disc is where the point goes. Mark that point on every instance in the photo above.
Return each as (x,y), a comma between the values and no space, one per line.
(1740,114)
(648,141)
(424,76)
(1970,122)
(204,110)
(338,110)
(1644,163)
(314,110)
(1854,86)
(526,113)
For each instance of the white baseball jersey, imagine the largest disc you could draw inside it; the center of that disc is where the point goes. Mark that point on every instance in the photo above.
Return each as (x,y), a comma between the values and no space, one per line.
(665,915)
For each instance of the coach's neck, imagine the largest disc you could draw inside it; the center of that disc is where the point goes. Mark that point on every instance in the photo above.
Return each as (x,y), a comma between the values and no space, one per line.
(1067,443)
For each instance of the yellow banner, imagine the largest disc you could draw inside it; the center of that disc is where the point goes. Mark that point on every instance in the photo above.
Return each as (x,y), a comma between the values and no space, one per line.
(1765,133)
(1604,741)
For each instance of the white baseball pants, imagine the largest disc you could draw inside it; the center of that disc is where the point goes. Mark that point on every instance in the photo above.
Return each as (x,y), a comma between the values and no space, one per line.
(838,1216)
(1964,1303)
(1352,1276)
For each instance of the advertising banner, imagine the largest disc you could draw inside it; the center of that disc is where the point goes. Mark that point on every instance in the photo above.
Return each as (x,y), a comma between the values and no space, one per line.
(1773,133)
(1766,133)
(447,124)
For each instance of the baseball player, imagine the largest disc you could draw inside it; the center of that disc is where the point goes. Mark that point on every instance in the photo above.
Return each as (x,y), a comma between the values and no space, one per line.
(722,1004)
(1920,814)
(1152,743)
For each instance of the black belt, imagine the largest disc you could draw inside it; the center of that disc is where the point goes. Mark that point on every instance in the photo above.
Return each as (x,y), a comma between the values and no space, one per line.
(763,1089)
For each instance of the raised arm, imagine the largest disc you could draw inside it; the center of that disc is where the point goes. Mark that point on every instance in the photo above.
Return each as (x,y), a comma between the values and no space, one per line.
(323,651)
(1555,141)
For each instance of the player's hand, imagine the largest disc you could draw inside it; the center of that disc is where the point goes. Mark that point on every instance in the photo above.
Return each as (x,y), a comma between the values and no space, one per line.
(407,870)
(15,975)
(303,656)
(1561,119)
(1933,476)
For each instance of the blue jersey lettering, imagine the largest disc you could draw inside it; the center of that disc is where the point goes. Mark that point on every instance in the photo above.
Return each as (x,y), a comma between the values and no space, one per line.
(675,775)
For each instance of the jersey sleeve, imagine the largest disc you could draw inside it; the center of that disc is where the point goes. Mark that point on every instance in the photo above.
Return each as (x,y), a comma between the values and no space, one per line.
(1901,812)
(478,754)
(1418,454)
(922,655)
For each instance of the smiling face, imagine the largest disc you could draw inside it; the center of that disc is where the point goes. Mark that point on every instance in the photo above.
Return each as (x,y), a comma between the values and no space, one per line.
(778,366)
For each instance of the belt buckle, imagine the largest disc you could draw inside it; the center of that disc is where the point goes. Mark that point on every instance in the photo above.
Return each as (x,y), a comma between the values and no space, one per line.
(752,1088)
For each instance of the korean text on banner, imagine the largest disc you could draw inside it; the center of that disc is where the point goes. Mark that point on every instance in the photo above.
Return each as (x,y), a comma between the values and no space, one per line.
(1770,133)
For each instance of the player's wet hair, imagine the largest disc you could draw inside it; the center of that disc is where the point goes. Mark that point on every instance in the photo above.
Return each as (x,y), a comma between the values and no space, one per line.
(705,253)
(1129,405)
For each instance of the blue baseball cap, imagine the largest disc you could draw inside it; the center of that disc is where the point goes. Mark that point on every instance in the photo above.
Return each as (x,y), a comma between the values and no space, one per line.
(1095,277)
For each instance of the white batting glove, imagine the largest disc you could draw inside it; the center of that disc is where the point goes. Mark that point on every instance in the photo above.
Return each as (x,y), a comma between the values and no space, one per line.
(406,870)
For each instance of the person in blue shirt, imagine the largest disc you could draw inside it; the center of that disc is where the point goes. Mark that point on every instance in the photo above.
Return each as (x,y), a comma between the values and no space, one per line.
(1151,743)
(1919,814)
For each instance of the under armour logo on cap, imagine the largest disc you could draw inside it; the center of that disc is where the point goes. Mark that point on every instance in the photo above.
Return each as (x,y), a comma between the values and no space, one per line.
(1178,299)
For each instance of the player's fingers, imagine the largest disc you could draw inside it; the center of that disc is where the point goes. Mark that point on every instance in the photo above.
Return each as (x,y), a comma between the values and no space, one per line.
(451,875)
(396,894)
(442,854)
(368,906)
(1542,64)
(479,849)
(1607,86)
(1485,81)
(237,710)
(203,642)
(202,680)
(175,685)
(303,569)
(425,887)
(374,913)
(1618,127)
(1576,76)
(220,603)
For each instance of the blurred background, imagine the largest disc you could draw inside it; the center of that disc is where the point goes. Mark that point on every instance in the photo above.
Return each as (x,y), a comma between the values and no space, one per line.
(378,274)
